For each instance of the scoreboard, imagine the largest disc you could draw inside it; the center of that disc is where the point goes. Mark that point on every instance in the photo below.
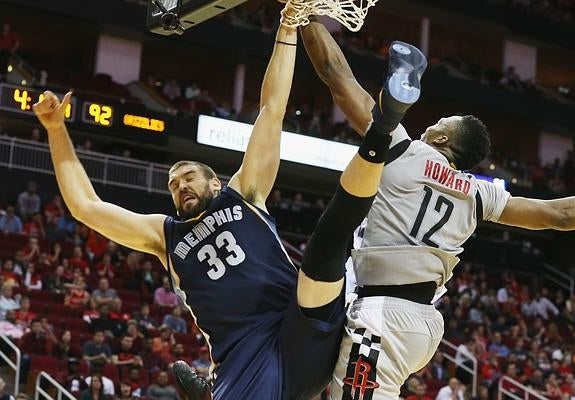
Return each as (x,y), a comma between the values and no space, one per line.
(108,116)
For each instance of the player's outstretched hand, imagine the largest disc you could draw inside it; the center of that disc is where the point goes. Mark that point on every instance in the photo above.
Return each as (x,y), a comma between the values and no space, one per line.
(50,111)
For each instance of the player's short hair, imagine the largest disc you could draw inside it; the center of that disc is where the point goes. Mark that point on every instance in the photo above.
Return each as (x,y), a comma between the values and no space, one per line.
(473,143)
(206,170)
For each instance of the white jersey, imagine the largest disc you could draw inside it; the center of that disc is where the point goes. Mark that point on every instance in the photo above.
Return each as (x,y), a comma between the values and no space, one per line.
(423,212)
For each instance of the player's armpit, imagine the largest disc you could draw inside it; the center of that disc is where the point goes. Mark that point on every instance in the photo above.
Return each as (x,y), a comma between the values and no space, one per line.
(137,231)
(538,214)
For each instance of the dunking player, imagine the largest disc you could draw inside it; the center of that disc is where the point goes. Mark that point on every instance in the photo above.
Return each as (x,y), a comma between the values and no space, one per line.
(267,339)
(424,211)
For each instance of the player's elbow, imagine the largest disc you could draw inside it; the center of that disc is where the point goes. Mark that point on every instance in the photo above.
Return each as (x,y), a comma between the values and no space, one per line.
(83,211)
(564,221)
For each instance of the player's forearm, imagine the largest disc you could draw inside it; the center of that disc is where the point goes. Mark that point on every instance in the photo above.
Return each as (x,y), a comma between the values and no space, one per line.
(565,208)
(74,184)
(324,52)
(277,81)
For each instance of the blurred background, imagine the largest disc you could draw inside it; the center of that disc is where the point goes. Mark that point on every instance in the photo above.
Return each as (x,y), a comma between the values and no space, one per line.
(143,101)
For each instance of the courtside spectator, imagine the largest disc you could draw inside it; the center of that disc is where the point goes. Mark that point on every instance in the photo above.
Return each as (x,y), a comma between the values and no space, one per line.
(34,227)
(175,321)
(34,343)
(65,349)
(104,294)
(9,274)
(135,382)
(32,279)
(419,393)
(76,294)
(96,350)
(453,391)
(152,361)
(163,296)
(95,390)
(55,281)
(125,392)
(161,390)
(162,345)
(11,328)
(125,354)
(144,318)
(29,201)
(8,301)
(202,364)
(78,260)
(24,315)
(10,223)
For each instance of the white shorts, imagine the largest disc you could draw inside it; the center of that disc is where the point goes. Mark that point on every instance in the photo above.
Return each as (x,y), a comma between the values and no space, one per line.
(386,340)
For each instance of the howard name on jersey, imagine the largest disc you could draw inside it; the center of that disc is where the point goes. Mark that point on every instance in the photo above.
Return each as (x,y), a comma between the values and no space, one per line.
(424,211)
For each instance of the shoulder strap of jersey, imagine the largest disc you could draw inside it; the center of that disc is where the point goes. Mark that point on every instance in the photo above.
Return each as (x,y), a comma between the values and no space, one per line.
(231,192)
(396,151)
(478,207)
(168,227)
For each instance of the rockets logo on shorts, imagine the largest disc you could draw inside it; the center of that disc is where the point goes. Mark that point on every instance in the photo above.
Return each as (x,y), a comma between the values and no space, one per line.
(361,378)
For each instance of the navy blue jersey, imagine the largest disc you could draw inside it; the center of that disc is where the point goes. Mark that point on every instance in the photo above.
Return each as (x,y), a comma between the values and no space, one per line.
(229,267)
(232,270)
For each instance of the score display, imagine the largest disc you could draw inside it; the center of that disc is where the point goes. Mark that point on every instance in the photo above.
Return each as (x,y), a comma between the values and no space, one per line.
(114,116)
(97,113)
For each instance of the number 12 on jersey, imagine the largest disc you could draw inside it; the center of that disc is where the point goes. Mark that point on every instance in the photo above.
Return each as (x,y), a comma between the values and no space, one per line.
(441,201)
(209,253)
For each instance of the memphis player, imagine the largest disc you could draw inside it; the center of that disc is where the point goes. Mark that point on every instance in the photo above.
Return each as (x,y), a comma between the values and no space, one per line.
(273,332)
(425,209)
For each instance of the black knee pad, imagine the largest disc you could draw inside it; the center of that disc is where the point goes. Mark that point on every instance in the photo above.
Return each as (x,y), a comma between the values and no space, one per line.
(327,249)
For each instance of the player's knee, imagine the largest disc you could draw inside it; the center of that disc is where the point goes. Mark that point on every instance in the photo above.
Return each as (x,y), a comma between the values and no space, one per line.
(312,293)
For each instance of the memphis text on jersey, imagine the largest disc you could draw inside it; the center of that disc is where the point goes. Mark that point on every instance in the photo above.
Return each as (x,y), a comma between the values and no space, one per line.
(446,176)
(206,227)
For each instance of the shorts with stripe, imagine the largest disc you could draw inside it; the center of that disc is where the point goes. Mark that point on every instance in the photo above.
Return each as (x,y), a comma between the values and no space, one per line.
(386,340)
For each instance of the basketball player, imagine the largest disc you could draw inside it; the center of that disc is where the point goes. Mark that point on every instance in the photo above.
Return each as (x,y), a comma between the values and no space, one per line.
(425,209)
(273,332)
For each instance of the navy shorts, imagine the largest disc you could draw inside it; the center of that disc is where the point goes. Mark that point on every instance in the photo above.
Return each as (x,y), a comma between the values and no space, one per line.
(310,349)
(292,358)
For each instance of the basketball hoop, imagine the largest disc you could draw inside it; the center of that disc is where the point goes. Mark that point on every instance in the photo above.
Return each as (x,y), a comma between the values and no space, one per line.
(350,13)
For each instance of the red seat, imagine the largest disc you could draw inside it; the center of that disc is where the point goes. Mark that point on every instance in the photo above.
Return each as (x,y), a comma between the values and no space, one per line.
(48,364)
(129,296)
(76,325)
(185,338)
(47,297)
(111,371)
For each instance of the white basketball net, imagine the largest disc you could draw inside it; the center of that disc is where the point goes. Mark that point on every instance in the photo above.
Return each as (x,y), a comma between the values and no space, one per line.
(350,13)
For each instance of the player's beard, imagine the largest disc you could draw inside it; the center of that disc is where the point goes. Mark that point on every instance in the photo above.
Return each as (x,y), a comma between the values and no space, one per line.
(203,201)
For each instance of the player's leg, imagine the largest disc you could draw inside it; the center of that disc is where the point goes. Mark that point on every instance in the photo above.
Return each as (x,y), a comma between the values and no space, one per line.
(321,276)
(386,339)
(314,324)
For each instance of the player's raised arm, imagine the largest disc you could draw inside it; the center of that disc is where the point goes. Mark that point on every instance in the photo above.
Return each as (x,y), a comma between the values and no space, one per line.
(332,68)
(137,231)
(255,178)
(537,214)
